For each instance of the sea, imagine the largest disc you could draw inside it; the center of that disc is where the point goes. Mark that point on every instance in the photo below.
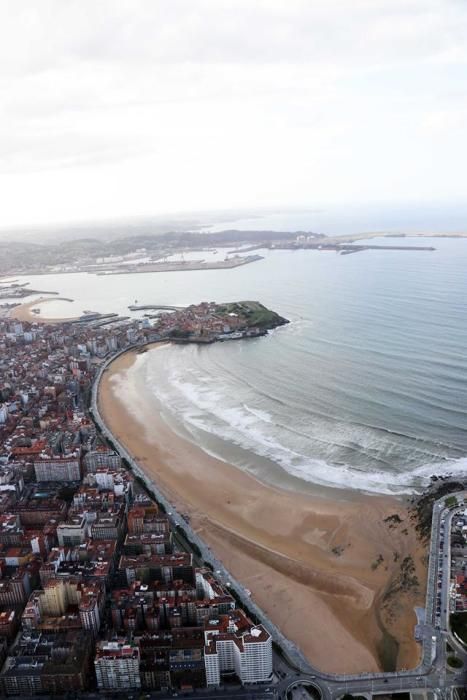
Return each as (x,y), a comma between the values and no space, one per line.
(364,390)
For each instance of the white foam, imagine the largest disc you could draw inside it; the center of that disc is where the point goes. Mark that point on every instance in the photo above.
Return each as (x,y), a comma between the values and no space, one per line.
(202,407)
(262,415)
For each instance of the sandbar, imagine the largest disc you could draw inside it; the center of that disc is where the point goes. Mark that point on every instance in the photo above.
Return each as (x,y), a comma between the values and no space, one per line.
(23,312)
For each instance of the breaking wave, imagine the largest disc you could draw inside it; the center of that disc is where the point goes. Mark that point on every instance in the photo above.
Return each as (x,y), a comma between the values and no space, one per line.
(206,408)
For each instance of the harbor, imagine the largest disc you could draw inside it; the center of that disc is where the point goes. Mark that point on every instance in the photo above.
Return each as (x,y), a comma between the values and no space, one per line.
(180,266)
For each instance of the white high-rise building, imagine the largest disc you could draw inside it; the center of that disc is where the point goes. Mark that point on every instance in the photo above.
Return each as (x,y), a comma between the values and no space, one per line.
(89,615)
(97,459)
(234,644)
(117,665)
(3,413)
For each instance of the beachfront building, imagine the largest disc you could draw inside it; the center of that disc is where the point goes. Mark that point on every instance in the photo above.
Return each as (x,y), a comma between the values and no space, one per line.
(158,567)
(144,516)
(101,459)
(235,645)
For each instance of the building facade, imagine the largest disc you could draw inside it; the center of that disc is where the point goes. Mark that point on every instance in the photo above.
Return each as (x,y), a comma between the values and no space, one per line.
(117,665)
(235,645)
(57,470)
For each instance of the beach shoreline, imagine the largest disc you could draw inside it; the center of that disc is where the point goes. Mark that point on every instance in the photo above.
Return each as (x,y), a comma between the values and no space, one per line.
(322,567)
(23,312)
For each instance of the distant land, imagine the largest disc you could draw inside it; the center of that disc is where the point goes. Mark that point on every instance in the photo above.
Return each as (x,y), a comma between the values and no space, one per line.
(143,250)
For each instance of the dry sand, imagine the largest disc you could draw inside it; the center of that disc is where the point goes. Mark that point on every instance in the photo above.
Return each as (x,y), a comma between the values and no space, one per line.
(322,568)
(23,312)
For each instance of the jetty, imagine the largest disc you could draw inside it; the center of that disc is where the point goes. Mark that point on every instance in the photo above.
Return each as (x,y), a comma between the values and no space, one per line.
(345,248)
(95,318)
(154,307)
(17,291)
(108,321)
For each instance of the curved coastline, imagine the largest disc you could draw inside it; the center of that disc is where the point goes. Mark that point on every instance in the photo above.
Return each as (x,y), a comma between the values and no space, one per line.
(309,562)
(23,312)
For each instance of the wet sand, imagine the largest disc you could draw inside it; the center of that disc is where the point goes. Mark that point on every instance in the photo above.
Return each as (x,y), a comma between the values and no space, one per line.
(322,567)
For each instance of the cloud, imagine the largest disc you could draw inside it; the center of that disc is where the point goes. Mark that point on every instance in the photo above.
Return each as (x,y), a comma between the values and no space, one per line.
(152,32)
(220,104)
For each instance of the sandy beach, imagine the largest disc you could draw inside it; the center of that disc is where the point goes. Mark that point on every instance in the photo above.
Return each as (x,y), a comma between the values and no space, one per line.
(24,312)
(326,569)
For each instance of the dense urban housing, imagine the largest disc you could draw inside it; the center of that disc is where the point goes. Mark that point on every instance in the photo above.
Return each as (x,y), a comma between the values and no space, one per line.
(94,591)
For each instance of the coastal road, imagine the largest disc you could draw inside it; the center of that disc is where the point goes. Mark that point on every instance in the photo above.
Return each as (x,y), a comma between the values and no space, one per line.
(433,672)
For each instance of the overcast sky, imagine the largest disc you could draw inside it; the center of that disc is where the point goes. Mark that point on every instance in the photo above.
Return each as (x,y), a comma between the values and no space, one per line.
(117,108)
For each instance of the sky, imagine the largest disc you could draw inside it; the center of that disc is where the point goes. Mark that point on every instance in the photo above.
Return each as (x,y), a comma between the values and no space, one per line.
(114,108)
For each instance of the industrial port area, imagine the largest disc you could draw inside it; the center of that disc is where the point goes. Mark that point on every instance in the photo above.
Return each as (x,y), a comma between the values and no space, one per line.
(187,251)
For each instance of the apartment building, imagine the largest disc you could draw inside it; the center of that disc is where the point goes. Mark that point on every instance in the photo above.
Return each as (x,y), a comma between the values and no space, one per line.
(65,603)
(158,567)
(101,459)
(73,532)
(15,589)
(49,468)
(117,665)
(144,516)
(109,524)
(235,645)
(47,663)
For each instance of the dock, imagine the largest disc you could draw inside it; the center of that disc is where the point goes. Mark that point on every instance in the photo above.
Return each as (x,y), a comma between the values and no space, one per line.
(180,266)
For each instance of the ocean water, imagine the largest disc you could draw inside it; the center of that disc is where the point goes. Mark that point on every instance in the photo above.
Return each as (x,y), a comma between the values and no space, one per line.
(365,389)
(341,220)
